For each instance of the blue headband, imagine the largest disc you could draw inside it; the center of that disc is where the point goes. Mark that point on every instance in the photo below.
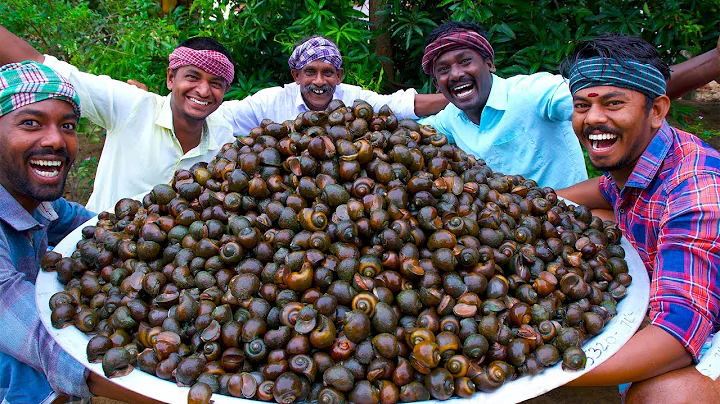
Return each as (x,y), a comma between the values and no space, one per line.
(601,71)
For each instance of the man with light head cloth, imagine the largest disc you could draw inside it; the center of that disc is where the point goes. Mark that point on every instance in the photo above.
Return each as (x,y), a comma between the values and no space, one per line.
(316,67)
(39,112)
(663,186)
(149,136)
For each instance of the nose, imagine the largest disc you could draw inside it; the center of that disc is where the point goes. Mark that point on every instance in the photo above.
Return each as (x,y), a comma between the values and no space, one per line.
(318,79)
(595,115)
(53,138)
(456,71)
(203,88)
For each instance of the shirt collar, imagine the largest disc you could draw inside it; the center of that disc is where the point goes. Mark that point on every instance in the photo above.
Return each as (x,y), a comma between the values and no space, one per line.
(164,119)
(17,217)
(650,161)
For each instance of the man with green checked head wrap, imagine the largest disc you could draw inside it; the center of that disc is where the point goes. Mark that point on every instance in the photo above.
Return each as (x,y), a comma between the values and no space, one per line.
(663,187)
(39,112)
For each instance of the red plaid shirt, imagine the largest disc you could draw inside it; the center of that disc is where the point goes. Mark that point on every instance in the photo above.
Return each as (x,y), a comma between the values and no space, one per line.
(669,210)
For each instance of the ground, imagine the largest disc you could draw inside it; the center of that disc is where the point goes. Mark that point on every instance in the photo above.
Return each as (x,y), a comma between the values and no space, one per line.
(698,113)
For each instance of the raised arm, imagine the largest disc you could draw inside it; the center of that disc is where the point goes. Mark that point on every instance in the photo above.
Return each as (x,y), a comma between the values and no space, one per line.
(694,73)
(15,49)
(429,104)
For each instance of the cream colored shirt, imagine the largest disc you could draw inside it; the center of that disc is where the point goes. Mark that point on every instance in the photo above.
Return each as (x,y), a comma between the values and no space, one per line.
(140,149)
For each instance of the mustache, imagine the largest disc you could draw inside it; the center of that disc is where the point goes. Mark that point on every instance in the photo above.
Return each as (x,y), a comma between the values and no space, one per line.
(313,87)
(47,152)
(602,128)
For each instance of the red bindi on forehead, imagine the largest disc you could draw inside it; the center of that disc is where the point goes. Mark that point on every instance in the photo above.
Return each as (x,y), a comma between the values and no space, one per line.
(593,94)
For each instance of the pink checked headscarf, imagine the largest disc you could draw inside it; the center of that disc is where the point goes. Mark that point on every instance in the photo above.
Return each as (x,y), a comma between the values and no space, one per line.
(455,39)
(211,61)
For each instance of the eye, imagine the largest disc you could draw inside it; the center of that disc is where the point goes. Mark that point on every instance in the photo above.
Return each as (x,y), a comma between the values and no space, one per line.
(72,126)
(216,84)
(581,106)
(30,123)
(191,77)
(615,103)
(442,69)
(465,61)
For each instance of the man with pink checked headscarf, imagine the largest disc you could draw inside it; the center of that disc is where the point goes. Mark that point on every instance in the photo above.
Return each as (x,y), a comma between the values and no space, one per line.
(149,136)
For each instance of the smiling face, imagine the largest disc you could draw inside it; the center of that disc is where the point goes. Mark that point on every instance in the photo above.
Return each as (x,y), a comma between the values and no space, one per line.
(195,92)
(38,144)
(465,79)
(317,82)
(615,127)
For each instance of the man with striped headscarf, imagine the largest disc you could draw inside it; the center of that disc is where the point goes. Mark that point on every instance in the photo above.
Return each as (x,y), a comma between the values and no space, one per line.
(39,112)
(316,68)
(663,186)
(518,125)
(149,136)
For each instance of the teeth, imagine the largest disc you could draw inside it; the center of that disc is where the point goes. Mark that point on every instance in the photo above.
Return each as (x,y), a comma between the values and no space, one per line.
(602,136)
(46,163)
(47,174)
(199,102)
(318,91)
(463,87)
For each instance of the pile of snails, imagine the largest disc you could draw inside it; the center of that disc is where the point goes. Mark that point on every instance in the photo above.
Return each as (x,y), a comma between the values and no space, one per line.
(345,256)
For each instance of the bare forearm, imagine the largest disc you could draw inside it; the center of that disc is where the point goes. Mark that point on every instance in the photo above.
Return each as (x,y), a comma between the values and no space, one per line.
(428,104)
(14,49)
(586,193)
(650,352)
(103,387)
(693,73)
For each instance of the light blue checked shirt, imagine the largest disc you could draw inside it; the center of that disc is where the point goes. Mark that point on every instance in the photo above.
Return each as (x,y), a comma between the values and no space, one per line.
(524,129)
(23,241)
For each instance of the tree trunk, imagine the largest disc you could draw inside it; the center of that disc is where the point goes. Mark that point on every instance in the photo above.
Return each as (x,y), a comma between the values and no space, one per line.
(383,42)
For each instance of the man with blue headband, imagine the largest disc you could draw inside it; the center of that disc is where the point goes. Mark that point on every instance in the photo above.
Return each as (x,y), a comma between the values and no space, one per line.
(39,112)
(663,186)
(316,68)
(520,124)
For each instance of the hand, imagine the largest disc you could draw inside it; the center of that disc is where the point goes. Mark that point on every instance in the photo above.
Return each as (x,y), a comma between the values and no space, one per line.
(144,87)
(103,387)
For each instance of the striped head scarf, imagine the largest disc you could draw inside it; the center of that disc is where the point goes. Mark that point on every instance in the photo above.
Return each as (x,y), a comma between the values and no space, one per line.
(455,39)
(602,71)
(29,82)
(315,48)
(211,61)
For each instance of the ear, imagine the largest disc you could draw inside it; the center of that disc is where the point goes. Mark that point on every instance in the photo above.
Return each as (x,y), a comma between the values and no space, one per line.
(435,83)
(296,75)
(170,78)
(659,110)
(340,74)
(490,64)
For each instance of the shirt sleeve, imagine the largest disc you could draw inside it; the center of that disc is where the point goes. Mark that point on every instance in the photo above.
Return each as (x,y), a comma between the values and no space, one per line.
(401,102)
(106,102)
(436,121)
(70,216)
(247,113)
(684,290)
(552,94)
(23,336)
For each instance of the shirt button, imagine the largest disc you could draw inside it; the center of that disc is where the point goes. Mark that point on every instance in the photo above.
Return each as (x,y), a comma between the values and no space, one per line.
(622,210)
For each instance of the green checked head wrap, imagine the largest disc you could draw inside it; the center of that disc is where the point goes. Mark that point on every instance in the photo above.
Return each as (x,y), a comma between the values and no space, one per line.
(604,71)
(29,82)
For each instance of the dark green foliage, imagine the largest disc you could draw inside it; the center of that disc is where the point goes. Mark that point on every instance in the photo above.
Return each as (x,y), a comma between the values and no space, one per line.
(132,38)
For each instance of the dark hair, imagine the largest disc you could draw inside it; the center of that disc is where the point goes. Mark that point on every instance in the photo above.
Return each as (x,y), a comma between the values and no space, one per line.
(205,43)
(618,47)
(451,25)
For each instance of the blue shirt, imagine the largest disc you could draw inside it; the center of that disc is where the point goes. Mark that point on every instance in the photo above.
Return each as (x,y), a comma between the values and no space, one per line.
(524,129)
(23,241)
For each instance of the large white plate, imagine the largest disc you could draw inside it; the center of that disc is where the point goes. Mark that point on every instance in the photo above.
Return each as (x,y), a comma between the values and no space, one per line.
(631,312)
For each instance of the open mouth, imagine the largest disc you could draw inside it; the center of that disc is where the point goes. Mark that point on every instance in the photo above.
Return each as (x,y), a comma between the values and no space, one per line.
(463,90)
(46,168)
(602,141)
(318,91)
(198,102)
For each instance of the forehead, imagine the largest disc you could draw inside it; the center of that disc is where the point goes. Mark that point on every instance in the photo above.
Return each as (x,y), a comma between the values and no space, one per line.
(319,65)
(456,54)
(606,91)
(51,107)
(192,69)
